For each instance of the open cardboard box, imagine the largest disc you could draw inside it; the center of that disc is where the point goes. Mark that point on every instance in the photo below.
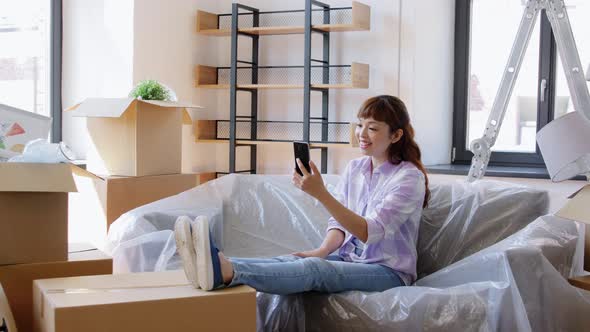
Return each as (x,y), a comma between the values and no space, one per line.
(34,212)
(578,208)
(154,301)
(17,280)
(132,137)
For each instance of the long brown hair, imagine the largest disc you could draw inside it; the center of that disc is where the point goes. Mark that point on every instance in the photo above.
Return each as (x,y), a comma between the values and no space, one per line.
(393,111)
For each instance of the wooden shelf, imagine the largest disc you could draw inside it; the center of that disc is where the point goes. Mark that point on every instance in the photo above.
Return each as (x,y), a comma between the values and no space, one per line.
(205,131)
(206,78)
(361,21)
(206,177)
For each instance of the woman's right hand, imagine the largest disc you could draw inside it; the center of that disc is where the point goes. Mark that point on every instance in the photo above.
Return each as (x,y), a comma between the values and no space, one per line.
(319,252)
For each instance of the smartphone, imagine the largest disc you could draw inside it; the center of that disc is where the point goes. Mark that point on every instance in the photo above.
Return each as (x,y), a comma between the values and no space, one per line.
(301,150)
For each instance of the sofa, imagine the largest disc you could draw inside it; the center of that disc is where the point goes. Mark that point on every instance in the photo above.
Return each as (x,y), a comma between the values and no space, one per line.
(489,256)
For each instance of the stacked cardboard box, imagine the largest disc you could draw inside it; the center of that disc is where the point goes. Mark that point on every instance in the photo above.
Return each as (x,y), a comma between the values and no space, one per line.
(34,212)
(135,159)
(137,147)
(17,280)
(101,200)
(34,229)
(132,137)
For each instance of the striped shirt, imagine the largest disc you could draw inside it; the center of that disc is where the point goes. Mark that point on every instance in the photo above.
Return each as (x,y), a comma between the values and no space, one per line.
(390,199)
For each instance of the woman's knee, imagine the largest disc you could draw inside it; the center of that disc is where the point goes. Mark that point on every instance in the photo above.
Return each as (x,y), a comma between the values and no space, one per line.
(287,258)
(315,265)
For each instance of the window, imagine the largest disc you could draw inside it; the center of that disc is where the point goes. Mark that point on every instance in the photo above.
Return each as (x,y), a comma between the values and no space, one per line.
(485,31)
(30,58)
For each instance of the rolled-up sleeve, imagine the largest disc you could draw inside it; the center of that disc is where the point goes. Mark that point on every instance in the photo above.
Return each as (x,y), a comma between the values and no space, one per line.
(341,194)
(404,198)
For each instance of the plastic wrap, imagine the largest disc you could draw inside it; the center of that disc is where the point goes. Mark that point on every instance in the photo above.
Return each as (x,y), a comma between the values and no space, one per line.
(511,286)
(462,218)
(251,216)
(468,282)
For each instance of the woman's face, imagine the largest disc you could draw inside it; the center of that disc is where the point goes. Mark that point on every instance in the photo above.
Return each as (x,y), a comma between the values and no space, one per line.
(374,137)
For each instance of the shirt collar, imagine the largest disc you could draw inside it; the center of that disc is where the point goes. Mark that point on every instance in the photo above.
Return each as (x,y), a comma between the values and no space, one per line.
(385,168)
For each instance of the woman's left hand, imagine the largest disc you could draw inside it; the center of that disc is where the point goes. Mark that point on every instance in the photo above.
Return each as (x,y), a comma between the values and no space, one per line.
(311,183)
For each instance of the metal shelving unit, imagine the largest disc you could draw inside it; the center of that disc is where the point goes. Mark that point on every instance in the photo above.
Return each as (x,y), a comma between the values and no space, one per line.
(315,75)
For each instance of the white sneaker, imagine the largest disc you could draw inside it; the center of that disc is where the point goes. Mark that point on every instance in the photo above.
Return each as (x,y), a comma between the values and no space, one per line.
(208,265)
(186,249)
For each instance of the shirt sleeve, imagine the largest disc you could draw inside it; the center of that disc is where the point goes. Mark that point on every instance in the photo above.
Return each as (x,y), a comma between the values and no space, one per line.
(341,194)
(397,206)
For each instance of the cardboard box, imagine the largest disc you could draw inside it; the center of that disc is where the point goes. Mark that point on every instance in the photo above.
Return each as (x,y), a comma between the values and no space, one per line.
(17,280)
(157,301)
(578,208)
(34,212)
(6,319)
(133,137)
(581,282)
(101,200)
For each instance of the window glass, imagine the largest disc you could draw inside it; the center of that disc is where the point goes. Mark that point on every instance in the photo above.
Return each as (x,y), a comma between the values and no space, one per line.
(491,42)
(24,55)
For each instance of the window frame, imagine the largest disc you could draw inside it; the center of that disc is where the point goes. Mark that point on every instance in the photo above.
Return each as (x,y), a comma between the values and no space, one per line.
(547,60)
(55,73)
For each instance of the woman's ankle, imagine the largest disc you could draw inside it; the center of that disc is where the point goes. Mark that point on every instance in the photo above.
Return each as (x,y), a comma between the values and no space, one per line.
(227,269)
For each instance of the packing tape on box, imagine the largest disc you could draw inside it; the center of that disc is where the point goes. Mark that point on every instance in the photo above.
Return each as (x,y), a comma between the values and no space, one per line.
(109,290)
(101,290)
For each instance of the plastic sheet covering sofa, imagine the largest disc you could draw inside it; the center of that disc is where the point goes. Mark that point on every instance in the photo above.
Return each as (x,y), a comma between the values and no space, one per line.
(488,257)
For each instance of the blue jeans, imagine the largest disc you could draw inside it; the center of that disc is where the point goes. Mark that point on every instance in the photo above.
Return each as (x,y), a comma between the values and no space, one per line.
(291,274)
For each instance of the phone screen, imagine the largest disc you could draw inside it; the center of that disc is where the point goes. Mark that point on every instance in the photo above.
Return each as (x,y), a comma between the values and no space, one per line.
(301,150)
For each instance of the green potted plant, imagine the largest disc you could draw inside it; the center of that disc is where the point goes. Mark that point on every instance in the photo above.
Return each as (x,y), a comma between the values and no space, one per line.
(152,90)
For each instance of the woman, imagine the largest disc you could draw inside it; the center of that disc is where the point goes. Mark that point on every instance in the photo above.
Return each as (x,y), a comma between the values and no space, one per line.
(374,223)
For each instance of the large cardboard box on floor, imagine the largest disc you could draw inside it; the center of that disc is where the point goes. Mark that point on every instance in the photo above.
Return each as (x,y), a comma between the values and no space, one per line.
(17,280)
(578,208)
(34,212)
(101,200)
(133,137)
(156,301)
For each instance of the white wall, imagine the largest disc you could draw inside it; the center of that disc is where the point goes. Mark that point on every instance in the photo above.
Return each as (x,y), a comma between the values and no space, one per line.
(426,74)
(166,49)
(409,49)
(97,58)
